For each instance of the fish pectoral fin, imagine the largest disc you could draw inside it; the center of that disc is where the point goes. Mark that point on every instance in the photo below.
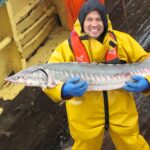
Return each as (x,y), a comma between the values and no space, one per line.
(51,83)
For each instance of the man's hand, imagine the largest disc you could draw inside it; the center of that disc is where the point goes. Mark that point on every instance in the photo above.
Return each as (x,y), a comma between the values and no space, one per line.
(139,84)
(74,87)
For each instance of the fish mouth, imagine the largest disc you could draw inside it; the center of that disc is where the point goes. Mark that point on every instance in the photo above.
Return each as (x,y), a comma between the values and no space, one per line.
(10,79)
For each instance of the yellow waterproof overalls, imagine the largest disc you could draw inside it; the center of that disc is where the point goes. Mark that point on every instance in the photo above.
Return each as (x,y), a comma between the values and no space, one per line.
(86,114)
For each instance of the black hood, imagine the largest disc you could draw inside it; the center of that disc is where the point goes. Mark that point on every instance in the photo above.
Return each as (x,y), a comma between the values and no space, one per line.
(90,6)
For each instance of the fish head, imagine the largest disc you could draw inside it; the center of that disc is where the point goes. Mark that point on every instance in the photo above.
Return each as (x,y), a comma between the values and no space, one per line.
(30,77)
(14,79)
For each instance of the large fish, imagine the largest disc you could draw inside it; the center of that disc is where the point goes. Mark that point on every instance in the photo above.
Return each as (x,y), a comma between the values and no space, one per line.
(99,76)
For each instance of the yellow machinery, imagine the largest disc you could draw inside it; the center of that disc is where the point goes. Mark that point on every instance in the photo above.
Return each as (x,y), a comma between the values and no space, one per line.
(25,27)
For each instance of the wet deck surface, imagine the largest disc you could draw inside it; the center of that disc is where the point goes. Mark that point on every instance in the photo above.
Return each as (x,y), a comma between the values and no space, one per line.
(132,17)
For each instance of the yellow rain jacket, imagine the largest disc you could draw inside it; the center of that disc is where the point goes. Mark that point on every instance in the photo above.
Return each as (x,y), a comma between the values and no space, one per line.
(86,115)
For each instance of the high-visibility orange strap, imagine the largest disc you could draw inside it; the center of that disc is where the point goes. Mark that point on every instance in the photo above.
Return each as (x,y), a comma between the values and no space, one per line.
(78,48)
(102,2)
(111,53)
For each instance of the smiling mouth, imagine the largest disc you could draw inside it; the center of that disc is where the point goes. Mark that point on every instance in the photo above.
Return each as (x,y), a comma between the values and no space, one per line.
(94,31)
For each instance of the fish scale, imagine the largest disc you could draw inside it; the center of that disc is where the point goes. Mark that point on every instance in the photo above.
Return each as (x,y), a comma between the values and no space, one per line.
(99,76)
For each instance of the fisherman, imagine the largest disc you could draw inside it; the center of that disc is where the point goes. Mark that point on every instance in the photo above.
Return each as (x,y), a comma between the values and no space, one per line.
(90,114)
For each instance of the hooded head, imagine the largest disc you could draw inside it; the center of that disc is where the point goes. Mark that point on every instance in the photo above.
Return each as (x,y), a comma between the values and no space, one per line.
(90,6)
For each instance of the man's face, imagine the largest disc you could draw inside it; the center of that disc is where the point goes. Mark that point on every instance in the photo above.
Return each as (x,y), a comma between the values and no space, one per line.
(93,24)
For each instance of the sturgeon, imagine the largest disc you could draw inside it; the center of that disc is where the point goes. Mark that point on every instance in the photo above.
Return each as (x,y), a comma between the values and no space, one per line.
(99,76)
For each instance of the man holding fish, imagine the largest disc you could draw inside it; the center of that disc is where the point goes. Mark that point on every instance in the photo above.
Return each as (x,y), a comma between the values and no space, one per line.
(91,113)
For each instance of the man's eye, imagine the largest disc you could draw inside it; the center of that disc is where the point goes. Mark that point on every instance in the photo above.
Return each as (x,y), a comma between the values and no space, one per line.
(89,19)
(99,19)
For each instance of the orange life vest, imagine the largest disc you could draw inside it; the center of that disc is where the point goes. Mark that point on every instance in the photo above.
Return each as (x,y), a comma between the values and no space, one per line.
(78,48)
(80,51)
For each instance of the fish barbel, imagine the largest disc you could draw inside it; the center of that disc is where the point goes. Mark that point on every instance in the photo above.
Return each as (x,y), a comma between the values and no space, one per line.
(99,76)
